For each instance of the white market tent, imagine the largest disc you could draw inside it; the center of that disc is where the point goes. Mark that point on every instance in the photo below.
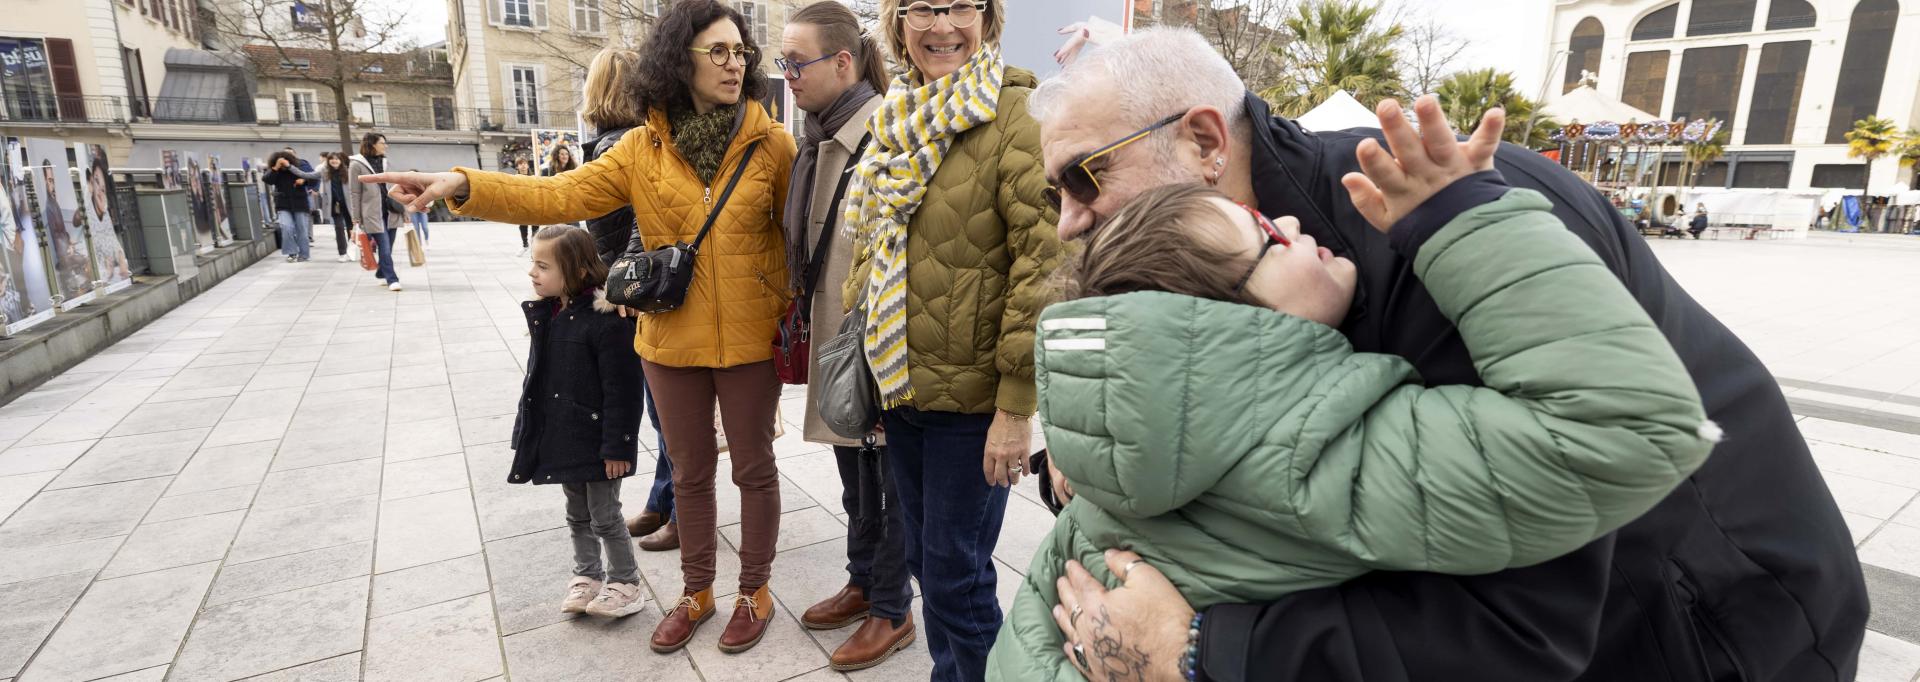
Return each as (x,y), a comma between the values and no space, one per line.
(1340,112)
(1587,105)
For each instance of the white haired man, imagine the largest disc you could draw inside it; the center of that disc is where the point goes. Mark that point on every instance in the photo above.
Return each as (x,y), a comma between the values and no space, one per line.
(1746,571)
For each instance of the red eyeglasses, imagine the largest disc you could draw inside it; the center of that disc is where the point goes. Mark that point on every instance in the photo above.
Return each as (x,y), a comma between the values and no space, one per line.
(1274,238)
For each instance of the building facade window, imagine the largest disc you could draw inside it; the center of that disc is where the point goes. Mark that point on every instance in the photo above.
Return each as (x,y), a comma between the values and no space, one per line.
(586,16)
(1776,93)
(303,105)
(1762,174)
(525,81)
(756,15)
(1717,17)
(1658,24)
(1863,67)
(1709,84)
(523,13)
(1583,51)
(1840,176)
(1645,86)
(26,79)
(1786,14)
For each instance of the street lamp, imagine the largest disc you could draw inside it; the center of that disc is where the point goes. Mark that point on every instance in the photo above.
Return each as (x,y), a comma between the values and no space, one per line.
(1541,101)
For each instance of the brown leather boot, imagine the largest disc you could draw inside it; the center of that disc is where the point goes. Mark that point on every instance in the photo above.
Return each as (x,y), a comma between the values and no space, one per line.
(677,629)
(842,609)
(873,644)
(645,523)
(667,538)
(749,623)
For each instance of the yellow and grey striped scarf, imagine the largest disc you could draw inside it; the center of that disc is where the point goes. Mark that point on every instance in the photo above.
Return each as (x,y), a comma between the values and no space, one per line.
(911,133)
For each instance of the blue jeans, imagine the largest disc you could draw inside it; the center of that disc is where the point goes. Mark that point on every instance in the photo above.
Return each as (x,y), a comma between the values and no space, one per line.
(420,223)
(296,229)
(383,245)
(953,521)
(660,498)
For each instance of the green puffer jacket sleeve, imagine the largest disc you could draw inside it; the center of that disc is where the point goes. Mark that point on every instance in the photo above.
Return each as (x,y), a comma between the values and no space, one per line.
(1249,454)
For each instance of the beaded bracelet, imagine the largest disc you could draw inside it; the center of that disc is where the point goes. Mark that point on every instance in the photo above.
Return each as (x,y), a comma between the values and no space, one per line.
(1190,664)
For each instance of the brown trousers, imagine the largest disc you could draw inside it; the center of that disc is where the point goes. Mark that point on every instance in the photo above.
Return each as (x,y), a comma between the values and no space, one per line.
(749,396)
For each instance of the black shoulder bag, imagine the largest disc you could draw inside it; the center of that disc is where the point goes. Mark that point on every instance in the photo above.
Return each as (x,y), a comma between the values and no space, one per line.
(656,281)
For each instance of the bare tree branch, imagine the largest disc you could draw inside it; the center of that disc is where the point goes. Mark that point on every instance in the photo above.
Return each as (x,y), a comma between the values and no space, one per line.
(1429,52)
(349,35)
(1245,32)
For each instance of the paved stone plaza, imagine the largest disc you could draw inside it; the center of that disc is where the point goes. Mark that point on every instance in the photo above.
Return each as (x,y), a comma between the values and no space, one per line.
(301,476)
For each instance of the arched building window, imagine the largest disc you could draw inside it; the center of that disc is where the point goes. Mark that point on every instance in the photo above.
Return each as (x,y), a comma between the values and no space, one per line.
(1785,14)
(1776,92)
(1714,17)
(1583,51)
(1646,82)
(1658,24)
(1710,83)
(1863,67)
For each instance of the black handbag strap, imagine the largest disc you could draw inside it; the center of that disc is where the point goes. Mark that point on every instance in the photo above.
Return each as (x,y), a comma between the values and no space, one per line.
(819,254)
(722,204)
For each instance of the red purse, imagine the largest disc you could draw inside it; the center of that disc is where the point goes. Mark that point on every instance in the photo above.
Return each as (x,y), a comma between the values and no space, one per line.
(367,259)
(793,344)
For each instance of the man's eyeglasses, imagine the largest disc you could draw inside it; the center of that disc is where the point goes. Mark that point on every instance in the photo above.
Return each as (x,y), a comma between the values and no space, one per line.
(1274,238)
(792,68)
(718,53)
(1078,181)
(962,14)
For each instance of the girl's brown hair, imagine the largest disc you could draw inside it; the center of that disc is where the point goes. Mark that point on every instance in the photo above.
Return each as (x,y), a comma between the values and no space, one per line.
(839,30)
(574,258)
(612,81)
(1152,245)
(990,26)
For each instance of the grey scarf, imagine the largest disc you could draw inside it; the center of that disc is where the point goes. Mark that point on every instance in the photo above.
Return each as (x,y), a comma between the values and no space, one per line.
(820,127)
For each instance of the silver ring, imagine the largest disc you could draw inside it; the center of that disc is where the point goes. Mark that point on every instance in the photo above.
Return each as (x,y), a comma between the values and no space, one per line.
(1017,468)
(1074,620)
(1127,570)
(1080,656)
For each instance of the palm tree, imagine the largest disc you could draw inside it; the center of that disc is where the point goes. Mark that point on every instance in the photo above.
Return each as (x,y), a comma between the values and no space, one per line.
(1700,154)
(1871,138)
(1467,95)
(1909,153)
(1334,45)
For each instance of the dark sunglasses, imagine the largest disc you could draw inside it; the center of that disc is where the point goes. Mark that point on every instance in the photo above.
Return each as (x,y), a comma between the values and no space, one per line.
(1077,181)
(1274,238)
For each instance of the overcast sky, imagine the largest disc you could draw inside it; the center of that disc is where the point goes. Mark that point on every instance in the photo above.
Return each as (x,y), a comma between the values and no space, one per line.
(1506,35)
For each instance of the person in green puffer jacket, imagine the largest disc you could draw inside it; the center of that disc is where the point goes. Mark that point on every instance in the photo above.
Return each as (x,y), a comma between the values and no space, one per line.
(1210,417)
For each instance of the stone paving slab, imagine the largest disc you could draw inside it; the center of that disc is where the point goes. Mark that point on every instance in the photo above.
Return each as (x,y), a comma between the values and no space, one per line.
(300,476)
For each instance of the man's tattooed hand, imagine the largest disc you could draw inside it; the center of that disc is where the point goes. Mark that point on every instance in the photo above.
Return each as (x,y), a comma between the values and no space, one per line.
(1109,654)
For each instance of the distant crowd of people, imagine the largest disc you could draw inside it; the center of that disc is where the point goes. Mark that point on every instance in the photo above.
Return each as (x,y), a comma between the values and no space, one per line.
(1376,404)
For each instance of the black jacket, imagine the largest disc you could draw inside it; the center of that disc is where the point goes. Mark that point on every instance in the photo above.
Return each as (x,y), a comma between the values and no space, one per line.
(287,194)
(610,231)
(1745,572)
(1699,222)
(580,404)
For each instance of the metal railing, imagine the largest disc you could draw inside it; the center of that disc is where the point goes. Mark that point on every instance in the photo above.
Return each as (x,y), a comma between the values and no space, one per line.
(415,117)
(199,110)
(81,109)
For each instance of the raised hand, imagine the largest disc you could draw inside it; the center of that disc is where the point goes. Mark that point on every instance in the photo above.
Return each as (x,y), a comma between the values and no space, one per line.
(419,190)
(1423,162)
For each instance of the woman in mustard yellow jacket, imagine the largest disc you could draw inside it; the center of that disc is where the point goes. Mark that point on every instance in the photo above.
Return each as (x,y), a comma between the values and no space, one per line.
(700,79)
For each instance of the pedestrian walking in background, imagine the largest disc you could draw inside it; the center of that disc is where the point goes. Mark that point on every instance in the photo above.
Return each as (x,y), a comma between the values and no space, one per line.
(375,213)
(523,166)
(333,194)
(419,218)
(837,74)
(952,263)
(289,176)
(578,412)
(700,84)
(612,110)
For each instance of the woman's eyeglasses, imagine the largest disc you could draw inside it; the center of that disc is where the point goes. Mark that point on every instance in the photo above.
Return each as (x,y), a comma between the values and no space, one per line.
(719,54)
(1274,238)
(962,14)
(792,68)
(1077,180)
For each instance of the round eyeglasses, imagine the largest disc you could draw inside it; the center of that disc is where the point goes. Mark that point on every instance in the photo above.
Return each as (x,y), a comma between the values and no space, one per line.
(962,14)
(719,54)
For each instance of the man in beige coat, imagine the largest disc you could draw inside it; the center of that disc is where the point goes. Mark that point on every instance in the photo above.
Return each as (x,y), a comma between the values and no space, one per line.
(837,76)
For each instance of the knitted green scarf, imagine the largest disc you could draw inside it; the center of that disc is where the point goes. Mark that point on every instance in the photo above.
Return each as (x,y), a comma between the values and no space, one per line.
(703,138)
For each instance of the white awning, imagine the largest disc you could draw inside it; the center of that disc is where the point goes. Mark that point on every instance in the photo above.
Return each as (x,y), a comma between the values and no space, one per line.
(1340,112)
(1587,105)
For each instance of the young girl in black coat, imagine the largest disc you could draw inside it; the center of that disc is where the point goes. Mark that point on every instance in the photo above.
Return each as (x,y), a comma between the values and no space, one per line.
(579,411)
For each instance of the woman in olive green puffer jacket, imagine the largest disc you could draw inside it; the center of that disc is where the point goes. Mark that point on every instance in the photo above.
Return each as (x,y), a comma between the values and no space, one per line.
(1247,453)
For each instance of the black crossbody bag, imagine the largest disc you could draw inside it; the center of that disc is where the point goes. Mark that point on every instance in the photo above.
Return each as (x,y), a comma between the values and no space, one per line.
(656,281)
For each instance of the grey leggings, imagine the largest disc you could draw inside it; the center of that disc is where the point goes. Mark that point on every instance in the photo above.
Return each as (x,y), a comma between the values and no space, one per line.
(593,513)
